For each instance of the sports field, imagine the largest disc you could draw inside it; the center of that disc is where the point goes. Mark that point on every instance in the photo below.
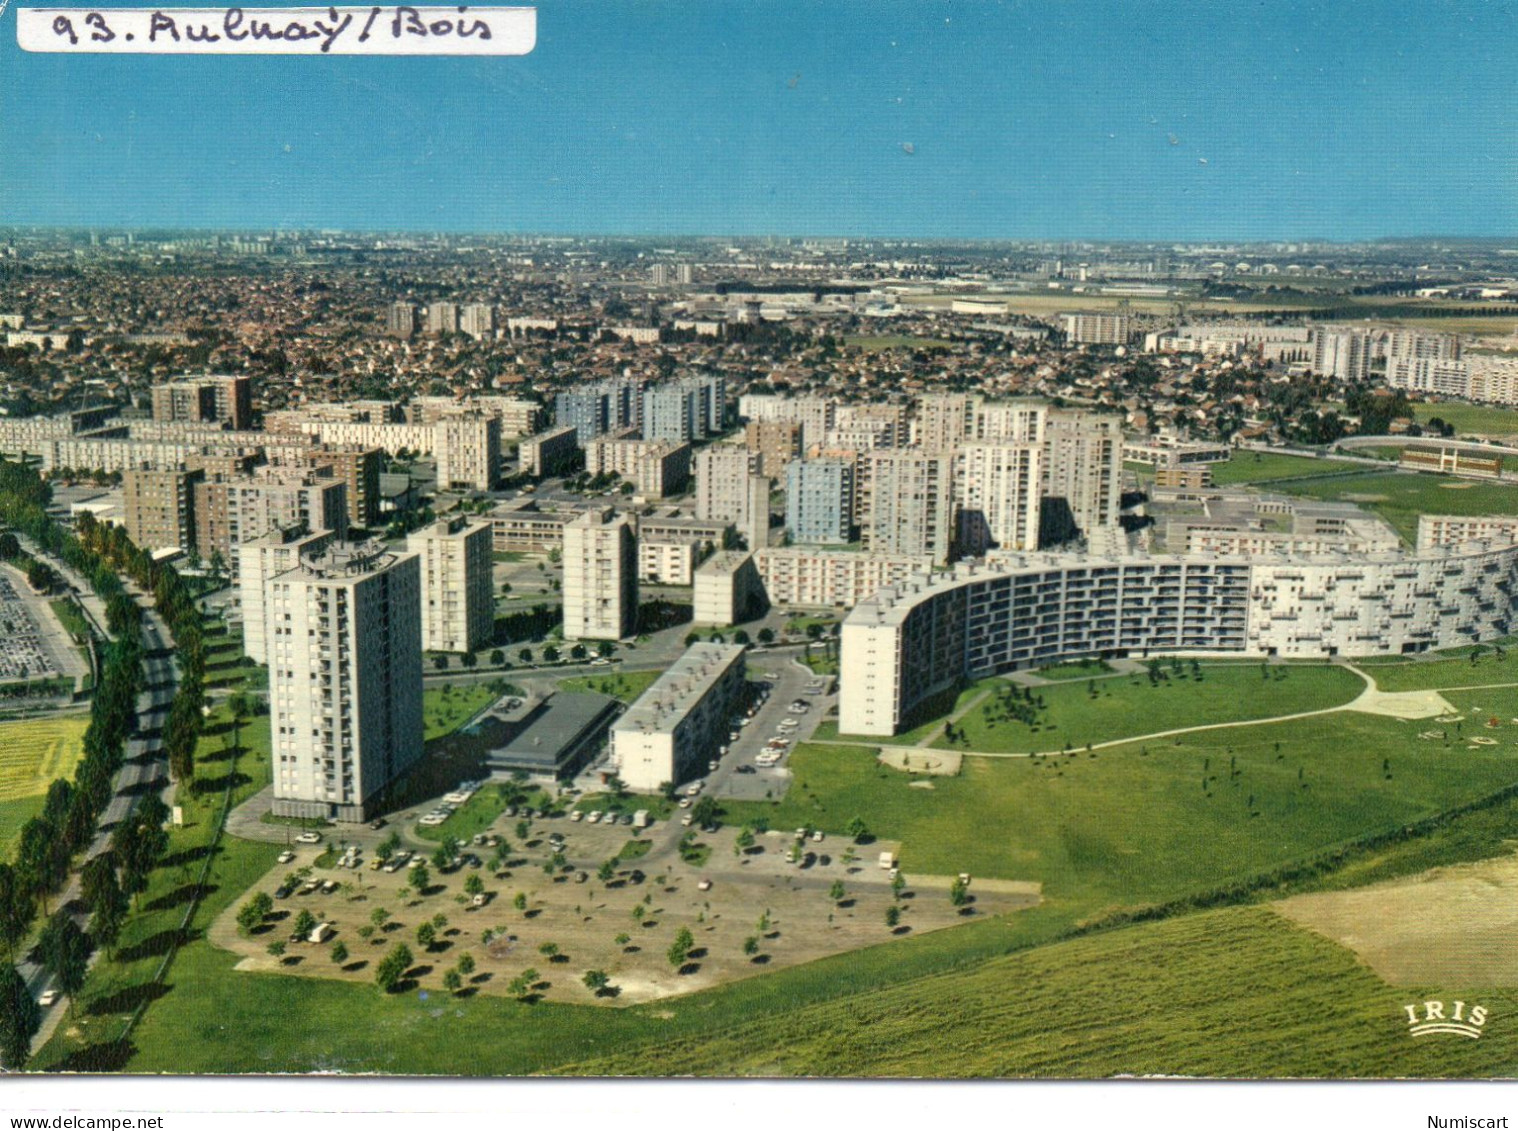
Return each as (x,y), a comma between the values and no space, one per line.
(33,752)
(1471,419)
(1270,467)
(1400,497)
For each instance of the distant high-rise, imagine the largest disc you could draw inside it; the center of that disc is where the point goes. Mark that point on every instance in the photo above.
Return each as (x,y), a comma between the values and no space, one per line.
(685,274)
(819,500)
(907,502)
(1341,352)
(775,442)
(477,319)
(343,632)
(400,320)
(159,507)
(1097,327)
(996,487)
(458,609)
(468,449)
(600,576)
(1082,467)
(684,410)
(659,274)
(442,317)
(213,399)
(587,411)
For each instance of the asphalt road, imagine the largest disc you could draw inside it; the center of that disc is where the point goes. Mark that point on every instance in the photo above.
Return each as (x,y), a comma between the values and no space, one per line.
(144,762)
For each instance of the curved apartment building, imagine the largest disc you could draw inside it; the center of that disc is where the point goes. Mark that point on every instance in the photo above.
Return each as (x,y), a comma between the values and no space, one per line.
(912,645)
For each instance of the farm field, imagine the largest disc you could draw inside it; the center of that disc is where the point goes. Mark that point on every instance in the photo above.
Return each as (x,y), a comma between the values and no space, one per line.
(1401,497)
(1270,467)
(1106,709)
(1295,1005)
(33,752)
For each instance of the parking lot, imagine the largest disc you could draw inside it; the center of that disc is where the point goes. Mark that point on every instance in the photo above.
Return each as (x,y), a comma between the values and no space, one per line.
(748,910)
(739,776)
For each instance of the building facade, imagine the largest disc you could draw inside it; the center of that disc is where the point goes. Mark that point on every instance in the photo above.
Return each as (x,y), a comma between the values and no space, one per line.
(600,576)
(343,633)
(458,605)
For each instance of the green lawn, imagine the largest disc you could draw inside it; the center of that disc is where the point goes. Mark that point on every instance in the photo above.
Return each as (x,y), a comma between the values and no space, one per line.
(13,814)
(69,616)
(477,815)
(118,985)
(625,686)
(1124,827)
(1269,467)
(1053,821)
(1102,710)
(658,808)
(1253,995)
(449,707)
(873,343)
(1421,675)
(1471,419)
(1400,497)
(33,754)
(1074,669)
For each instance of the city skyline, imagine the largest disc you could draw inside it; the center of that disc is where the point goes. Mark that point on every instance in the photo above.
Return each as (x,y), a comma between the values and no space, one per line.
(1018,121)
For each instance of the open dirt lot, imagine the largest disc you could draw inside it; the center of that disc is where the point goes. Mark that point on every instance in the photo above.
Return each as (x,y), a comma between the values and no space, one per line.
(1448,926)
(789,911)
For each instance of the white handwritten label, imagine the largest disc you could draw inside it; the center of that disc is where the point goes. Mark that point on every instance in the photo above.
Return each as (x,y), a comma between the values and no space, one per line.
(395,30)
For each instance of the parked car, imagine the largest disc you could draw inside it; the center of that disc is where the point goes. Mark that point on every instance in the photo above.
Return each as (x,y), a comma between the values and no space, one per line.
(48,997)
(312,837)
(286,856)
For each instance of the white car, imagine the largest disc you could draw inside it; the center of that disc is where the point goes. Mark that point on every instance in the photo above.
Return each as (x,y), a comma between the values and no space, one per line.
(685,804)
(309,838)
(47,998)
(693,790)
(577,816)
(600,662)
(286,856)
(593,818)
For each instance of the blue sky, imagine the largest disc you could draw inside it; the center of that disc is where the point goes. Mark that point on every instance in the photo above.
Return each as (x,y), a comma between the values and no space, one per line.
(924,118)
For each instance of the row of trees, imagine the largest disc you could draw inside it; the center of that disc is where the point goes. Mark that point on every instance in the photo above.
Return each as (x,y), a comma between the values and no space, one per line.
(71,809)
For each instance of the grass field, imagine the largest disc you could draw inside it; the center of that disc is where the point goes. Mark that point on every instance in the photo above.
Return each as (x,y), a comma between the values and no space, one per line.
(1471,419)
(625,686)
(119,984)
(215,1019)
(1074,669)
(1453,671)
(33,752)
(449,707)
(1271,467)
(1254,996)
(70,618)
(873,343)
(1103,710)
(1123,827)
(1400,497)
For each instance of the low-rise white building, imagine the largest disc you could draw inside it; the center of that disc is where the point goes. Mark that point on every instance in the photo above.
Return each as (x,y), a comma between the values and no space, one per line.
(675,727)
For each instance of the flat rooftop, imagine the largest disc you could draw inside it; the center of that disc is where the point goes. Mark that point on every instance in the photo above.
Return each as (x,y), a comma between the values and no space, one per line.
(680,688)
(549,731)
